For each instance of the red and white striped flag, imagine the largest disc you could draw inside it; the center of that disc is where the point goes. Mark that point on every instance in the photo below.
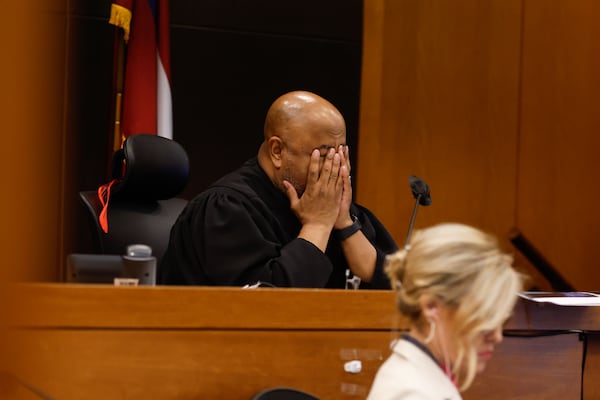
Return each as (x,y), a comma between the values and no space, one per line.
(147,90)
(146,96)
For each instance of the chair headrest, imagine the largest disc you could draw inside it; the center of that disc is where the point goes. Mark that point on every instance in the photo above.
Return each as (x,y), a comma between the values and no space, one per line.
(150,167)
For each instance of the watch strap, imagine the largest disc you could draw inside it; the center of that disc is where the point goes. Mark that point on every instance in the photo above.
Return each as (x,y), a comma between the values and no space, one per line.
(345,233)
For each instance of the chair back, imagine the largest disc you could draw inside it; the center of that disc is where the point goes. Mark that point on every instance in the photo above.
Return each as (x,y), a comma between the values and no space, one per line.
(149,172)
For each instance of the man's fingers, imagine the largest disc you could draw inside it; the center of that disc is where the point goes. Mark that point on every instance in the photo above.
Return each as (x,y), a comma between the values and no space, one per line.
(335,169)
(327,165)
(344,181)
(291,193)
(345,173)
(345,153)
(313,168)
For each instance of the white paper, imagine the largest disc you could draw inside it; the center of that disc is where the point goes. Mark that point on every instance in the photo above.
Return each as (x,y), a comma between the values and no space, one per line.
(564,298)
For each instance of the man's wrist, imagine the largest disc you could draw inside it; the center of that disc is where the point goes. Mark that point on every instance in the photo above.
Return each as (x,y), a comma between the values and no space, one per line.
(346,223)
(345,233)
(316,233)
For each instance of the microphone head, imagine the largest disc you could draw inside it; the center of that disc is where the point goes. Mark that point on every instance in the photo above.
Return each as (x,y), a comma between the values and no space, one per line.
(420,190)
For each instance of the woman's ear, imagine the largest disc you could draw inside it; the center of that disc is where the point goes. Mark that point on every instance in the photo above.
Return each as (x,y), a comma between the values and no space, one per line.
(430,306)
(275,148)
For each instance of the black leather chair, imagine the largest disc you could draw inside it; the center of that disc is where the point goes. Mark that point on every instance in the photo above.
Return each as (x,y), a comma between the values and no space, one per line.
(283,393)
(149,172)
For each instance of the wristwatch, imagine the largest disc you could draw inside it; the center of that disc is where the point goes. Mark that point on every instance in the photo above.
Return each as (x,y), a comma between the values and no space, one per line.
(345,233)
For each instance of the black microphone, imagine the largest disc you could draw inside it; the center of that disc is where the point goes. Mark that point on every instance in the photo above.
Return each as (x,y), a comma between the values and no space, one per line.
(420,191)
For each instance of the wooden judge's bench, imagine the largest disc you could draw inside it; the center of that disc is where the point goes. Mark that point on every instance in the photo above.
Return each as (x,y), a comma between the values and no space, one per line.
(102,342)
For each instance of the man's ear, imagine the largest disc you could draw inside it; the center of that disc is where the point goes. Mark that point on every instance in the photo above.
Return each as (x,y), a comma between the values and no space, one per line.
(275,148)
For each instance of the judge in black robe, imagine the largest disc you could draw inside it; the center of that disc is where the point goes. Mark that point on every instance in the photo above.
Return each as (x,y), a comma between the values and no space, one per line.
(246,229)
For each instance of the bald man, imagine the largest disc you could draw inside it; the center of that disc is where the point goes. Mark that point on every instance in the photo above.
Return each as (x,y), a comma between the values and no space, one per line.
(286,217)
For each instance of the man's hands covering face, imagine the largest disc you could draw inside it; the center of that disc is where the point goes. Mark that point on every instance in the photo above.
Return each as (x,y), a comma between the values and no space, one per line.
(328,193)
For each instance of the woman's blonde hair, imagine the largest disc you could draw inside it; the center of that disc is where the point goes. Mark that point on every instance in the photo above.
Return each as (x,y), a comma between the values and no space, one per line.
(465,269)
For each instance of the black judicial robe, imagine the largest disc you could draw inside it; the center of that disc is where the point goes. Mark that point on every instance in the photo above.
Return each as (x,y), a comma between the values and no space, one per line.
(241,231)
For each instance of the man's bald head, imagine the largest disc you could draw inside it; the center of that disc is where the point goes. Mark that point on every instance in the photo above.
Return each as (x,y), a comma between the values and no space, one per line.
(291,111)
(297,123)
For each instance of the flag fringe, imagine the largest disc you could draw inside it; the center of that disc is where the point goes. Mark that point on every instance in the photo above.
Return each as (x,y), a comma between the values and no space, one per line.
(121,17)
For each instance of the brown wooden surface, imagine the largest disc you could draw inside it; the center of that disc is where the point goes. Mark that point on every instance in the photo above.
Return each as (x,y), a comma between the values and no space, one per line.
(14,389)
(438,100)
(94,341)
(215,364)
(546,367)
(98,341)
(190,364)
(494,104)
(31,114)
(104,306)
(75,306)
(559,141)
(549,317)
(591,376)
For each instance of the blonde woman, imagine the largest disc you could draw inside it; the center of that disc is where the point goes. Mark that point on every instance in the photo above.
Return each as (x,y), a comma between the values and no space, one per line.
(458,289)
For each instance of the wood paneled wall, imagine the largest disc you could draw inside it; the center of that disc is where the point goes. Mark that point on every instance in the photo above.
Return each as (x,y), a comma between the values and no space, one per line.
(31,100)
(492,103)
(559,167)
(439,93)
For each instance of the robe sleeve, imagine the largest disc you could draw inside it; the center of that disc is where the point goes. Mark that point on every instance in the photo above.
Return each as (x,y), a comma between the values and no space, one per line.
(237,243)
